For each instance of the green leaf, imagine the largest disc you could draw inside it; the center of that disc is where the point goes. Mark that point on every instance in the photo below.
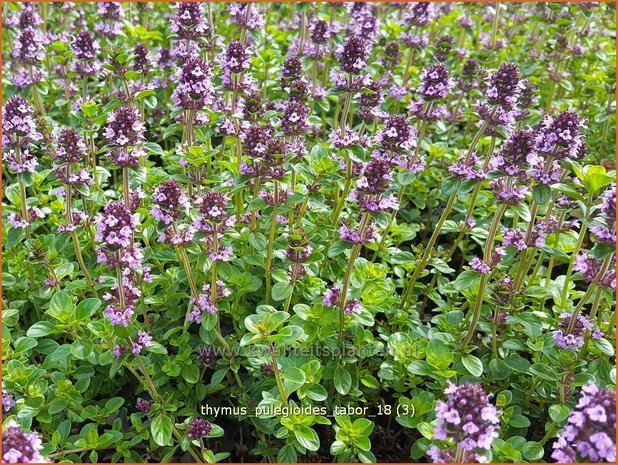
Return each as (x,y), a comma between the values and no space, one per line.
(541,194)
(342,380)
(438,354)
(8,280)
(281,291)
(43,328)
(307,438)
(519,421)
(558,413)
(153,147)
(450,185)
(61,306)
(86,308)
(144,93)
(161,429)
(362,426)
(90,109)
(533,451)
(191,374)
(56,406)
(466,280)
(473,365)
(337,248)
(294,375)
(317,392)
(114,404)
(23,344)
(258,241)
(544,372)
(604,346)
(287,454)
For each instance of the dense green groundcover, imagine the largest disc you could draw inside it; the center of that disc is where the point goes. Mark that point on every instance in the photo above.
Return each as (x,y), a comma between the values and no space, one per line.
(344,232)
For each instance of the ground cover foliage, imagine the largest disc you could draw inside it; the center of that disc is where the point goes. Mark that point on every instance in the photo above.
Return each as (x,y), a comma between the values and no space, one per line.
(308,232)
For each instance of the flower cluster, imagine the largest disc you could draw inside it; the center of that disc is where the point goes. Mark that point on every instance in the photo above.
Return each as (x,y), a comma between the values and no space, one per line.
(590,434)
(189,21)
(198,428)
(194,90)
(168,201)
(18,123)
(19,446)
(573,339)
(332,298)
(468,420)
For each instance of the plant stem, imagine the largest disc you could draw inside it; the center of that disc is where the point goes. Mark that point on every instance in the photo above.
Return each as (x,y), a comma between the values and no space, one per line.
(75,239)
(604,267)
(346,280)
(271,240)
(24,211)
(427,252)
(277,373)
(480,296)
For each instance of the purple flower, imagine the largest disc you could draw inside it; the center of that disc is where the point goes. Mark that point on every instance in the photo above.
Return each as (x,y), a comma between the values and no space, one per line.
(397,135)
(444,46)
(512,159)
(560,137)
(357,237)
(514,237)
(479,266)
(203,304)
(590,267)
(605,224)
(235,60)
(207,356)
(467,168)
(292,71)
(111,13)
(18,124)
(503,86)
(246,15)
(198,428)
(189,22)
(119,350)
(435,83)
(23,162)
(508,193)
(574,339)
(169,201)
(143,405)
(144,339)
(29,18)
(84,46)
(418,13)
(18,446)
(195,90)
(71,147)
(352,55)
(352,306)
(212,205)
(142,61)
(590,433)
(294,119)
(28,47)
(118,316)
(124,127)
(319,32)
(468,419)
(332,296)
(469,73)
(116,225)
(8,401)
